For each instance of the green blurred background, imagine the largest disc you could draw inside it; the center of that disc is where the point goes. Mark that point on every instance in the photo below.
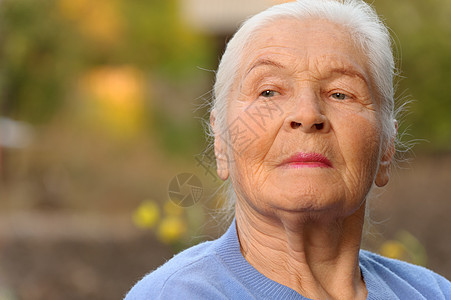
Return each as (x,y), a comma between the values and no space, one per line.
(101,105)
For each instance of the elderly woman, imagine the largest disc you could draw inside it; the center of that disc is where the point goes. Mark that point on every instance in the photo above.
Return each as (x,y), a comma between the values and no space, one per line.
(304,127)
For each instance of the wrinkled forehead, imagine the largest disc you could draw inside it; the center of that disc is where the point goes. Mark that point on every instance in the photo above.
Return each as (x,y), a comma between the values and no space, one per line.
(311,43)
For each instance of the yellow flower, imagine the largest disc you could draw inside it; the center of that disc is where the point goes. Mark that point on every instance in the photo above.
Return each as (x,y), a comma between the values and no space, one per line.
(415,250)
(171,229)
(172,209)
(146,215)
(393,249)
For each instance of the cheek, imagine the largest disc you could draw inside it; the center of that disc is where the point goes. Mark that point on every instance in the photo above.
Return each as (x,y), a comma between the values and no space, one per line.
(252,129)
(359,136)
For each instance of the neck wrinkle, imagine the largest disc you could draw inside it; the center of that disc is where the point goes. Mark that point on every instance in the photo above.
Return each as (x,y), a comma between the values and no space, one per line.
(316,258)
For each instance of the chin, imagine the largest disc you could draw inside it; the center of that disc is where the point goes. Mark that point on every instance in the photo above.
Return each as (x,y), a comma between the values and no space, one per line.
(318,200)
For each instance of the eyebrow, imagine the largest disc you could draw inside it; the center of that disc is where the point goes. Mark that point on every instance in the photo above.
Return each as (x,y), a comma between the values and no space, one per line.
(349,71)
(264,62)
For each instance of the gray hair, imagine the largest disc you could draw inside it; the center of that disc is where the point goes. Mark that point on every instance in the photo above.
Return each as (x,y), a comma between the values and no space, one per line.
(359,18)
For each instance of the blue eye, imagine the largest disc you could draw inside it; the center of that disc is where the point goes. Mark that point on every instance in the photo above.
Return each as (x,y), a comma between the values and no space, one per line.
(268,93)
(339,96)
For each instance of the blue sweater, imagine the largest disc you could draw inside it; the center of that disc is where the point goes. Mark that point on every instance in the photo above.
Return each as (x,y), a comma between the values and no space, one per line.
(218,270)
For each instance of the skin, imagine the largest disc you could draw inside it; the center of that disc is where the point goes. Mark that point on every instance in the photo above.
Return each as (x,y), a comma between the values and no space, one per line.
(301,225)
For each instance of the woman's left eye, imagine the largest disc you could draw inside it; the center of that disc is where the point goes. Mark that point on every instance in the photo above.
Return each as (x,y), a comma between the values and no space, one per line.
(268,93)
(339,96)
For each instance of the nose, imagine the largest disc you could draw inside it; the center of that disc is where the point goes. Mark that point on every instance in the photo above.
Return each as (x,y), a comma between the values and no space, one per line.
(307,115)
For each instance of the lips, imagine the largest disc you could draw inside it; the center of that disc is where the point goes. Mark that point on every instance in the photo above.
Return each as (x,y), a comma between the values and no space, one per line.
(307,160)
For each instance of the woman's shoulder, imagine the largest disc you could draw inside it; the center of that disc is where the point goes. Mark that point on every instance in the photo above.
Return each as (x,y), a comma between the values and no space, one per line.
(183,266)
(402,277)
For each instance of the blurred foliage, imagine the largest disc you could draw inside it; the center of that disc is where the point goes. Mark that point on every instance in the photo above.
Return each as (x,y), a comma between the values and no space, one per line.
(46,46)
(113,99)
(422,31)
(108,87)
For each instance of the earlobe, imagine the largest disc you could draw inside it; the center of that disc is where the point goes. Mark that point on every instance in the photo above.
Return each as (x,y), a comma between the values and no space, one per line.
(222,168)
(383,173)
(220,150)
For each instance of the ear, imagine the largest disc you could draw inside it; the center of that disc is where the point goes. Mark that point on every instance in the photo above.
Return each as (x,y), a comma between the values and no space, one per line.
(220,149)
(383,173)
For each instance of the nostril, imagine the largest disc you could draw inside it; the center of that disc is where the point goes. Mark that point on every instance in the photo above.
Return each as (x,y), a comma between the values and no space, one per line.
(317,126)
(295,125)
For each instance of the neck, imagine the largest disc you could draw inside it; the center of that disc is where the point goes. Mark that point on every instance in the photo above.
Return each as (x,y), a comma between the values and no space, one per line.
(315,256)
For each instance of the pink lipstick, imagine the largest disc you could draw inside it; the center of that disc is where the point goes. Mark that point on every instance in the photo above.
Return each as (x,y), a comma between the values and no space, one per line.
(307,160)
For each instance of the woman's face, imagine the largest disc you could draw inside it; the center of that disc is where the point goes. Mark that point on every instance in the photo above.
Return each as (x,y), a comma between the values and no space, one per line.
(304,126)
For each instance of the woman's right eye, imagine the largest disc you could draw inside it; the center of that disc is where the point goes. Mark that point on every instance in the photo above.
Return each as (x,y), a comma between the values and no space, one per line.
(268,93)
